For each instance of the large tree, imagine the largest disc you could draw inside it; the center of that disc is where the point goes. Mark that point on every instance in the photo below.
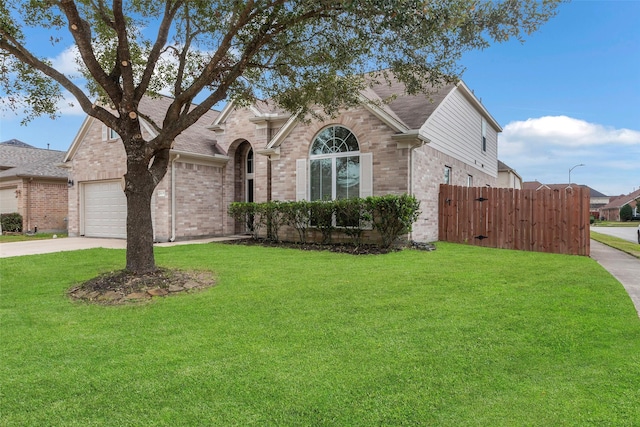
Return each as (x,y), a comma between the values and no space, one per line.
(299,53)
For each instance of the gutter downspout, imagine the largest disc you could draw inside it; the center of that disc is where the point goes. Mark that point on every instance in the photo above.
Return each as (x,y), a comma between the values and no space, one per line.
(173,198)
(411,174)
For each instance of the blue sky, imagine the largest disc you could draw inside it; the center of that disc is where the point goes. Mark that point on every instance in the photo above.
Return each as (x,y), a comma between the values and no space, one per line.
(569,95)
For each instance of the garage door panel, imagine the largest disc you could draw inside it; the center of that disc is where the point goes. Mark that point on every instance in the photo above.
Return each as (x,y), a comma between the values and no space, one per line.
(105,210)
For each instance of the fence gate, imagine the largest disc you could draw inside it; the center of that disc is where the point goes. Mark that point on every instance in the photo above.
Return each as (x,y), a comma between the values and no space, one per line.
(543,220)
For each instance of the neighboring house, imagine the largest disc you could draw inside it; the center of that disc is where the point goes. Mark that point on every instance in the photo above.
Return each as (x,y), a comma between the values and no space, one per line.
(32,185)
(260,153)
(611,211)
(508,177)
(597,200)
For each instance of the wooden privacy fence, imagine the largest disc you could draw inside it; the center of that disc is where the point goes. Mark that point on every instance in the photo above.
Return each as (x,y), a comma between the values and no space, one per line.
(531,220)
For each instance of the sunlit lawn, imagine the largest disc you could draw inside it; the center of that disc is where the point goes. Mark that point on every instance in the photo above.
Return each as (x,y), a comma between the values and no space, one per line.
(8,238)
(459,336)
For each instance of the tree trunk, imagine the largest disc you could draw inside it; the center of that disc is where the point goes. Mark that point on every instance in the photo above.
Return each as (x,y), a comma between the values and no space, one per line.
(139,186)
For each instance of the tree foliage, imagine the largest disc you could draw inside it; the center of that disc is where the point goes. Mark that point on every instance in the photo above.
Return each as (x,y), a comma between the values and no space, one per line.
(302,54)
(626,213)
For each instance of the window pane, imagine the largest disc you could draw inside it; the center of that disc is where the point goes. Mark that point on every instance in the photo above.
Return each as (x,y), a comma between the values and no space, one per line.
(352,143)
(320,143)
(320,179)
(334,139)
(347,177)
(250,161)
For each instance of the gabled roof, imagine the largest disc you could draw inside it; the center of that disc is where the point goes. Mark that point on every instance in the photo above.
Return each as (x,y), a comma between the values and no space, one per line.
(405,114)
(503,167)
(17,143)
(412,110)
(620,201)
(534,185)
(196,139)
(22,160)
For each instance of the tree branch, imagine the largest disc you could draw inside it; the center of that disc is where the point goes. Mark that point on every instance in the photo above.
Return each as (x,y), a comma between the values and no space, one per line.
(82,35)
(156,50)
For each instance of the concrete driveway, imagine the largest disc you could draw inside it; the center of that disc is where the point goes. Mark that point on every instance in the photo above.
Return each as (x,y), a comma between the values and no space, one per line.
(626,233)
(36,247)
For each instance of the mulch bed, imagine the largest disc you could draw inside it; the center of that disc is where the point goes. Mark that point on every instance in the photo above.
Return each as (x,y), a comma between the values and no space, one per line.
(344,248)
(122,286)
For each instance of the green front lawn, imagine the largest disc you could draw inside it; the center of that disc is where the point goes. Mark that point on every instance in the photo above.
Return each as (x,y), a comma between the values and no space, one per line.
(8,238)
(615,224)
(459,336)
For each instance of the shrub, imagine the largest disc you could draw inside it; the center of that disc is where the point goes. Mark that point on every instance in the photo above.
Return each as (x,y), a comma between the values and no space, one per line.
(271,216)
(393,216)
(11,222)
(245,212)
(352,215)
(322,218)
(298,216)
(626,213)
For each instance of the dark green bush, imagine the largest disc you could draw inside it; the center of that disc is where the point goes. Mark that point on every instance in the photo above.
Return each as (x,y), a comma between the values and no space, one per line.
(298,216)
(11,222)
(271,216)
(393,216)
(322,218)
(352,215)
(626,213)
(245,213)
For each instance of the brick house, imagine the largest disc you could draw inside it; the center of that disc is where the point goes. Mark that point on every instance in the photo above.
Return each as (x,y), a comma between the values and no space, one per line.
(259,153)
(597,200)
(611,211)
(32,184)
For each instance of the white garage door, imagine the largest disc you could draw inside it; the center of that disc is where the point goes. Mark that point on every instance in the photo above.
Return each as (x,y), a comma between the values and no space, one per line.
(8,200)
(105,210)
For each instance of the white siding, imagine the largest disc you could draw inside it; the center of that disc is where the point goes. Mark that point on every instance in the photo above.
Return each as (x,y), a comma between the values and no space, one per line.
(455,129)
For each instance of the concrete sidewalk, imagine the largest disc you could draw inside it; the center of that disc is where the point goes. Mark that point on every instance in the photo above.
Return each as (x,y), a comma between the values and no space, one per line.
(36,247)
(622,266)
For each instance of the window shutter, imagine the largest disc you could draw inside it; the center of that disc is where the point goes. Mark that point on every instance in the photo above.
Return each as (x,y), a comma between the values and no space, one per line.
(301,179)
(105,132)
(366,175)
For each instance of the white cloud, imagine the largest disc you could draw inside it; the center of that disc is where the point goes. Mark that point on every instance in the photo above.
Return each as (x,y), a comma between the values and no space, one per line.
(545,148)
(568,132)
(69,106)
(66,63)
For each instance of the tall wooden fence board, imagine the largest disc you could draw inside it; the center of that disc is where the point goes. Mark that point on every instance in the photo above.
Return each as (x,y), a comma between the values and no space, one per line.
(543,220)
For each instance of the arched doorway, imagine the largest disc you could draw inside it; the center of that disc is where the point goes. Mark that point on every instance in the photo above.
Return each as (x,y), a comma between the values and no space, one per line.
(244,165)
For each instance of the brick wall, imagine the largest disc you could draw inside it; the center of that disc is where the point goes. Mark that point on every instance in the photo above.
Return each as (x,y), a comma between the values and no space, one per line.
(199,201)
(42,204)
(428,174)
(48,203)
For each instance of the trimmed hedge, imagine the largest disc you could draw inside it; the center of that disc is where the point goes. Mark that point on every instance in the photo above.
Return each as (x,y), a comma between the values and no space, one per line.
(11,222)
(390,216)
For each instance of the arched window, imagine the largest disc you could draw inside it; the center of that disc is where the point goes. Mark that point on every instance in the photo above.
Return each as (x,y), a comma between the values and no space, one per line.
(334,165)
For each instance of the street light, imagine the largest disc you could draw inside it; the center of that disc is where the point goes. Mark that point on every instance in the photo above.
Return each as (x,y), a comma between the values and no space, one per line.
(581,164)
